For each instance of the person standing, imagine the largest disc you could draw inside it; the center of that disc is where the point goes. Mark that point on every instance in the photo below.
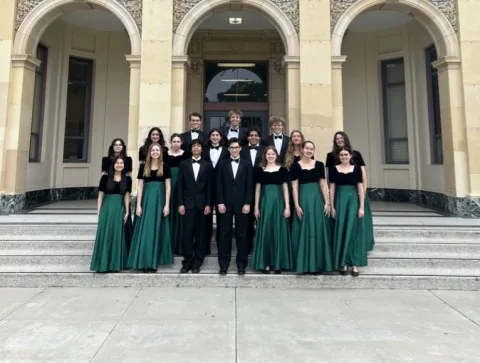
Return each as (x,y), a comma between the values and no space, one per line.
(272,249)
(117,148)
(234,130)
(194,204)
(253,154)
(195,132)
(311,228)
(278,138)
(233,198)
(155,136)
(347,198)
(151,244)
(110,249)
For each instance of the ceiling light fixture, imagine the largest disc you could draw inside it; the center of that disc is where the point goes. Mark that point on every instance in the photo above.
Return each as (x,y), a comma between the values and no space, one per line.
(236,94)
(235,21)
(237,80)
(236,65)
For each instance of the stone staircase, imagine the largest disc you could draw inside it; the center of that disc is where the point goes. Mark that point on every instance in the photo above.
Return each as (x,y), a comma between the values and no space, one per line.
(412,251)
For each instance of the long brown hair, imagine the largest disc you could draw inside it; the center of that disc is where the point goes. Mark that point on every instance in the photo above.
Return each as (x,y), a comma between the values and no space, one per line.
(336,149)
(290,154)
(264,161)
(148,161)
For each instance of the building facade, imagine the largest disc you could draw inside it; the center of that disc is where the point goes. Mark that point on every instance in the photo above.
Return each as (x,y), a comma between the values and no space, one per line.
(399,76)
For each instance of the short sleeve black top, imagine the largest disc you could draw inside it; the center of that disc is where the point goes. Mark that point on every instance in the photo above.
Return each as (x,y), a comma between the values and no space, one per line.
(266,177)
(115,187)
(356,156)
(174,161)
(153,174)
(352,178)
(305,176)
(107,164)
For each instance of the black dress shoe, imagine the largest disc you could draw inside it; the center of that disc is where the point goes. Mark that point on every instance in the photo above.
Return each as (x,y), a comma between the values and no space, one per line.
(222,271)
(184,270)
(241,272)
(195,270)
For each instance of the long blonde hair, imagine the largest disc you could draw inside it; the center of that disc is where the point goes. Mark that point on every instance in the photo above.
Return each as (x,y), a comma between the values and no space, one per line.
(264,161)
(148,161)
(290,154)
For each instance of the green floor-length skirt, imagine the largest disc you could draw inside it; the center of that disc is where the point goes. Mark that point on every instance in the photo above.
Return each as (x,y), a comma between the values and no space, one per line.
(349,247)
(176,220)
(311,234)
(151,245)
(366,226)
(272,237)
(110,250)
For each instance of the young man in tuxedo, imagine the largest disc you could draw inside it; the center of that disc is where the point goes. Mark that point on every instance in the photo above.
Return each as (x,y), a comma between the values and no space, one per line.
(234,199)
(278,138)
(234,130)
(194,195)
(195,132)
(253,154)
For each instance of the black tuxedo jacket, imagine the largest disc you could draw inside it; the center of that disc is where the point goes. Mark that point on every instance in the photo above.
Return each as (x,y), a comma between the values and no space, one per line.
(187,139)
(234,192)
(285,139)
(223,155)
(191,193)
(245,154)
(242,135)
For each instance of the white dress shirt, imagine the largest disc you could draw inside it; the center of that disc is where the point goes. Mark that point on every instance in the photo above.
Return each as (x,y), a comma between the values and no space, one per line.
(233,134)
(196,168)
(194,135)
(253,154)
(278,143)
(235,166)
(215,155)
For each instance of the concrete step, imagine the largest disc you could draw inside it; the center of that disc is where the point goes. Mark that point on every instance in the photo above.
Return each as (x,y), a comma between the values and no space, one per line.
(129,279)
(377,265)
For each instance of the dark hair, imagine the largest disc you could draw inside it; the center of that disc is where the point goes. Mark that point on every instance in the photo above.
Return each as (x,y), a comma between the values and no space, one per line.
(336,148)
(263,162)
(194,114)
(350,151)
(111,152)
(195,142)
(307,142)
(233,140)
(148,141)
(111,175)
(215,129)
(254,129)
(176,135)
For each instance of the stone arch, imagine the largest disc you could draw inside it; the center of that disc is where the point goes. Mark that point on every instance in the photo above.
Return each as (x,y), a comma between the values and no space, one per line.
(205,9)
(42,15)
(437,25)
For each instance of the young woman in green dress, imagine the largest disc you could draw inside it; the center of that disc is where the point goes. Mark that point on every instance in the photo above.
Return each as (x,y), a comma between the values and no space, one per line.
(173,157)
(311,227)
(110,249)
(341,140)
(272,250)
(347,197)
(151,244)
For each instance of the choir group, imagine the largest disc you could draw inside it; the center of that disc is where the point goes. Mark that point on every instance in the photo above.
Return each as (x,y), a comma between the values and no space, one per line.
(288,210)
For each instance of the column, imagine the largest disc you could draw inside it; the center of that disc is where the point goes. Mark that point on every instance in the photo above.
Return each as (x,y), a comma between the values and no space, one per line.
(277,92)
(195,93)
(19,123)
(337,92)
(133,142)
(292,65)
(179,93)
(156,67)
(315,74)
(454,136)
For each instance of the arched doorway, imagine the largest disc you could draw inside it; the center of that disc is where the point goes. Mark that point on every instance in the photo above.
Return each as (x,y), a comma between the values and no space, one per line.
(242,57)
(72,82)
(400,67)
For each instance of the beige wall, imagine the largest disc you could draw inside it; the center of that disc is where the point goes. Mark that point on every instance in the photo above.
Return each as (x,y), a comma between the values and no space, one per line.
(109,115)
(362,102)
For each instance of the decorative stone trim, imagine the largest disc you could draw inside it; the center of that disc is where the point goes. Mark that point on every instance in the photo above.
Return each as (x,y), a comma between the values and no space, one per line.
(196,66)
(447,7)
(277,65)
(25,61)
(24,7)
(289,7)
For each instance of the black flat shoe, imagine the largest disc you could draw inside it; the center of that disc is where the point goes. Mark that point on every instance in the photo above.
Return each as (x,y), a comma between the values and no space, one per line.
(241,272)
(222,271)
(184,270)
(278,272)
(195,270)
(344,272)
(355,273)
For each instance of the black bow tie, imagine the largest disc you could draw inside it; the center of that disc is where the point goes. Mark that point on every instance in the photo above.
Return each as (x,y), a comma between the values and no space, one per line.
(233,130)
(195,131)
(253,147)
(235,160)
(215,147)
(278,137)
(195,161)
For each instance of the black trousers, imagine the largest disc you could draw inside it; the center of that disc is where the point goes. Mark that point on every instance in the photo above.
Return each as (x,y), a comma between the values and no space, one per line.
(225,226)
(209,231)
(250,231)
(193,238)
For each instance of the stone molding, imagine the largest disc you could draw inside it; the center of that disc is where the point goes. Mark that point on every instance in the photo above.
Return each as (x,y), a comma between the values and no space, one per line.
(445,63)
(25,61)
(447,7)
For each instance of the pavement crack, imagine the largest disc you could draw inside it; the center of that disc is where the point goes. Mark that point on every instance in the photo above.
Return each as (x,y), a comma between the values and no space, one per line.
(454,308)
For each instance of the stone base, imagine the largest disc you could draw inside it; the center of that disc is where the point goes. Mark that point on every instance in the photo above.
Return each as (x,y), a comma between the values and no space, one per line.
(461,207)
(17,203)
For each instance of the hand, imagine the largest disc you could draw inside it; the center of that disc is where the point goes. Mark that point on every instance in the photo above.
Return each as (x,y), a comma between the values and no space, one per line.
(286,212)
(139,211)
(246,209)
(299,212)
(221,208)
(333,213)
(166,210)
(256,213)
(125,219)
(361,213)
(181,210)
(326,209)
(207,210)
